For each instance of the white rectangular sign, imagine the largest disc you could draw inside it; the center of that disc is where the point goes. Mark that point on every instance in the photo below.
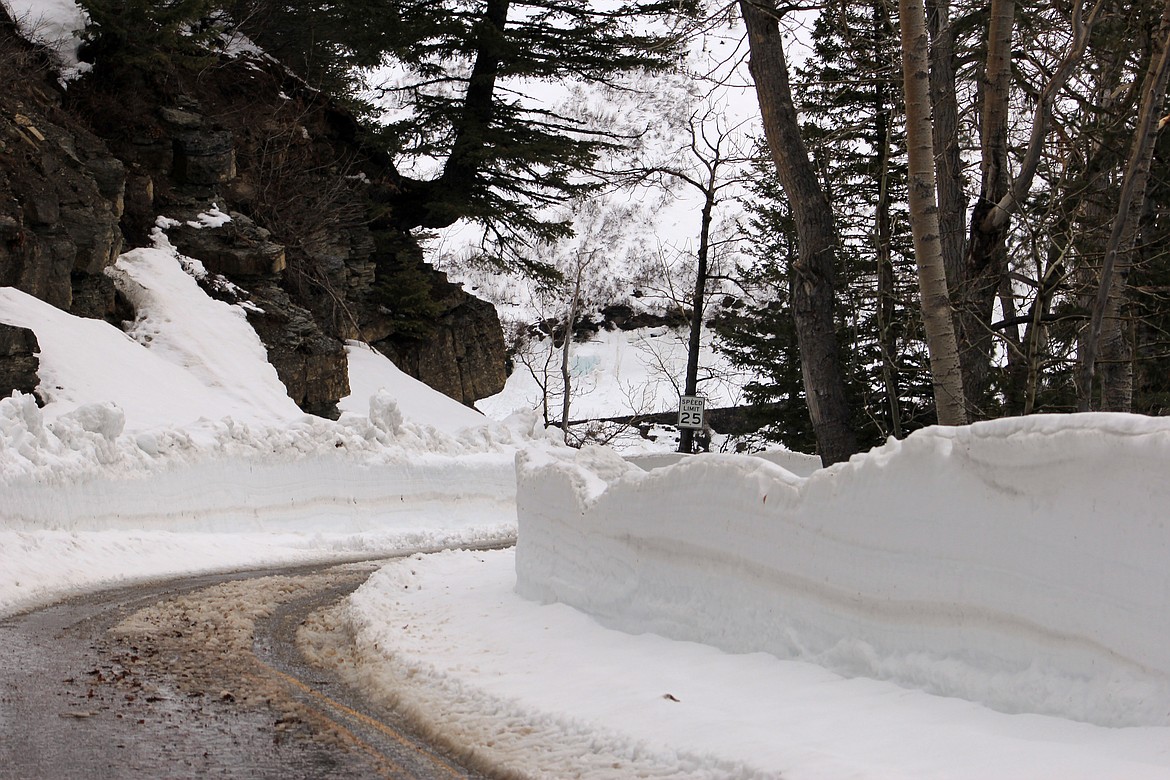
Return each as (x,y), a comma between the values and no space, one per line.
(690,411)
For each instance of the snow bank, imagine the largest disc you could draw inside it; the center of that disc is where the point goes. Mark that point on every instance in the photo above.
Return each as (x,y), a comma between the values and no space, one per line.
(82,472)
(1020,563)
(542,690)
(175,448)
(137,425)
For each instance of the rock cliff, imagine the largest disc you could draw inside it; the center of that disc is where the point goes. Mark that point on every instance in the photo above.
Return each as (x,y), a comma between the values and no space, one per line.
(86,172)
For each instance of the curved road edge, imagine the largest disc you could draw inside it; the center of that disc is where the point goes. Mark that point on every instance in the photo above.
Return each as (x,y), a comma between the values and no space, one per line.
(192,677)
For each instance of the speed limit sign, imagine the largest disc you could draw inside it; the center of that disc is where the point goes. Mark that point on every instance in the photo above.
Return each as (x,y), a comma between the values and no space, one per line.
(690,411)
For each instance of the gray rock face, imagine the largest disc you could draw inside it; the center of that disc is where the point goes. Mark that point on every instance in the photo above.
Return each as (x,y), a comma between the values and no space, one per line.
(286,163)
(237,249)
(18,359)
(464,357)
(204,157)
(60,203)
(311,364)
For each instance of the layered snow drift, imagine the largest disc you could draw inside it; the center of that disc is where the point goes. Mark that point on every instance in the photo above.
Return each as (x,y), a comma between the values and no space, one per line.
(82,471)
(265,489)
(1020,563)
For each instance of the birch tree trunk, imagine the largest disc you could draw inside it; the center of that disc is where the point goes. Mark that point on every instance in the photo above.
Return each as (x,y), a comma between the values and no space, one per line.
(811,276)
(937,319)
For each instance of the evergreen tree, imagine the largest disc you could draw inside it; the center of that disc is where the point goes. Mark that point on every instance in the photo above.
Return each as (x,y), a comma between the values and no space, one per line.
(854,126)
(326,43)
(141,38)
(853,129)
(758,333)
(760,336)
(466,65)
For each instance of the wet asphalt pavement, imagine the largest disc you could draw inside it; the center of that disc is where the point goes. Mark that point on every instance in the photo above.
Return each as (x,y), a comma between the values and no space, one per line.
(193,678)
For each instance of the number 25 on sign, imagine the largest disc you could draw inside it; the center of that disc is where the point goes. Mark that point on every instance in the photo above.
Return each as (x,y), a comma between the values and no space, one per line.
(690,411)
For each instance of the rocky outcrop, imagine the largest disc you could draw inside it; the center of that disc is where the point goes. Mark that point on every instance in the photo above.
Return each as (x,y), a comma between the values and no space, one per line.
(306,239)
(61,199)
(311,364)
(18,359)
(83,172)
(61,191)
(237,249)
(463,357)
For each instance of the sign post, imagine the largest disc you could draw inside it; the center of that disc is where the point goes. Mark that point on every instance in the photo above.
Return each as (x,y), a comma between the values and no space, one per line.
(690,412)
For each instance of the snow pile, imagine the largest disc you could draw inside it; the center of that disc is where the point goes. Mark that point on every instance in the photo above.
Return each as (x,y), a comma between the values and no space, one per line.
(38,567)
(240,377)
(136,427)
(370,372)
(83,360)
(1020,563)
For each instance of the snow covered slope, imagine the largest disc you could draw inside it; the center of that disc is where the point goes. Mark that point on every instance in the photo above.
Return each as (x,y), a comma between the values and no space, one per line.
(175,448)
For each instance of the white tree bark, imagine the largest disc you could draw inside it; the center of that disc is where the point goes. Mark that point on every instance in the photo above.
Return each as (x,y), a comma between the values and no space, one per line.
(937,317)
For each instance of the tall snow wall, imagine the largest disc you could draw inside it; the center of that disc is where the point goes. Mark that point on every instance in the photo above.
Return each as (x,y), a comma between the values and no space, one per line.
(83,472)
(1021,563)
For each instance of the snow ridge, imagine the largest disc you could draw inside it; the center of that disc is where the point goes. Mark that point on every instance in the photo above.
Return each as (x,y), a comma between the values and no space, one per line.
(1045,591)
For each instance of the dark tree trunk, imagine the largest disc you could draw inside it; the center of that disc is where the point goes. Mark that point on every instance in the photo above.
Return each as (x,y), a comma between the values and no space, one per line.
(886,295)
(811,276)
(686,439)
(952,203)
(441,202)
(1107,329)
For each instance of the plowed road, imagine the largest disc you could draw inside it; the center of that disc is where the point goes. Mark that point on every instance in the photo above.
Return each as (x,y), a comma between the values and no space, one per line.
(193,678)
